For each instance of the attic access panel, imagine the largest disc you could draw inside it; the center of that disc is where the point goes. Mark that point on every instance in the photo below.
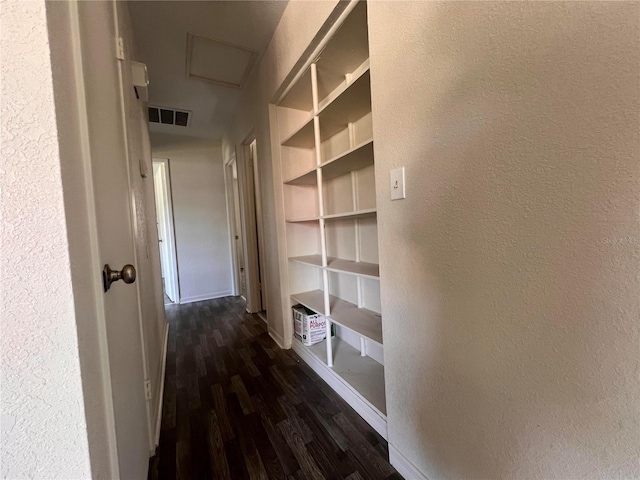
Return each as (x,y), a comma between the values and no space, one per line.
(218,62)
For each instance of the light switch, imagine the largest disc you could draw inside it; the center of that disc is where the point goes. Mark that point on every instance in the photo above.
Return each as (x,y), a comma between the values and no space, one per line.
(397,184)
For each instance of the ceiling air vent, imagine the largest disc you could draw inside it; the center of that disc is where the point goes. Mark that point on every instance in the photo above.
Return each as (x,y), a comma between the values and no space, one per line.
(169,116)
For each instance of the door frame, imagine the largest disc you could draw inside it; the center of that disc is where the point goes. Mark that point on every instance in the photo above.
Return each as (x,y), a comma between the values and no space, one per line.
(166,211)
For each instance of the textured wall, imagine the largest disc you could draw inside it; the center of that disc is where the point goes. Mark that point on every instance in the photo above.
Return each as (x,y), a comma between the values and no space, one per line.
(510,288)
(297,30)
(44,433)
(200,215)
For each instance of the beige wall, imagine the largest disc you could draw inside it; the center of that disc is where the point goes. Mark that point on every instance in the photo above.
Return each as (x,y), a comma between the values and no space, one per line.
(45,421)
(295,34)
(510,287)
(200,214)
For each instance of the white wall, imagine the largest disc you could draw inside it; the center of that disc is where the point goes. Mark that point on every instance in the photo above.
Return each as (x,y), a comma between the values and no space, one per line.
(510,279)
(44,431)
(296,33)
(200,214)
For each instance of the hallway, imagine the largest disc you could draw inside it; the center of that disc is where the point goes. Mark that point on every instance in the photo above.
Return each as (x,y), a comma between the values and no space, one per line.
(237,406)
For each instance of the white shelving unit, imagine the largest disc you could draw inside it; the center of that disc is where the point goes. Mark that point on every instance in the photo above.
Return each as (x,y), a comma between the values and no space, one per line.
(327,162)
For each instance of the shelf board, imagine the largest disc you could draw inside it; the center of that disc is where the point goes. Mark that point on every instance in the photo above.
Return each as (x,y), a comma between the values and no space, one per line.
(369,212)
(340,265)
(363,269)
(348,107)
(305,178)
(364,374)
(303,137)
(355,158)
(300,220)
(313,260)
(361,320)
(359,213)
(313,300)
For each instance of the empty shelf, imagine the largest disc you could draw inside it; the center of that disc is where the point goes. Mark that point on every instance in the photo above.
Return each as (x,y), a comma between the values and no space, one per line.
(356,268)
(360,320)
(340,265)
(350,106)
(306,178)
(344,53)
(364,374)
(299,96)
(314,260)
(298,220)
(344,85)
(359,213)
(303,137)
(355,158)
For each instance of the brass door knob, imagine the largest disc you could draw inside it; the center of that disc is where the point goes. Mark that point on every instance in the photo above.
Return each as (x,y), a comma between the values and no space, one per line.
(127,275)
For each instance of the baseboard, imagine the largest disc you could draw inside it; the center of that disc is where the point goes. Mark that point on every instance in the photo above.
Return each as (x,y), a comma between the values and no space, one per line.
(161,386)
(352,397)
(202,298)
(263,318)
(404,467)
(277,338)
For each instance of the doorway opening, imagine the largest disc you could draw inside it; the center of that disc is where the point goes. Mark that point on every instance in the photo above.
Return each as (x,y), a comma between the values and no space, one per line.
(236,230)
(246,227)
(166,234)
(252,155)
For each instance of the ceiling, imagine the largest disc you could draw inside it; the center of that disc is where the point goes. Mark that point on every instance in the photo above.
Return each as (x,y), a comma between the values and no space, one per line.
(160,31)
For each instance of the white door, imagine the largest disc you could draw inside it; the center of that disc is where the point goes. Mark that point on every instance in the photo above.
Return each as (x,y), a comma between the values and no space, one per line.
(237,226)
(166,238)
(110,174)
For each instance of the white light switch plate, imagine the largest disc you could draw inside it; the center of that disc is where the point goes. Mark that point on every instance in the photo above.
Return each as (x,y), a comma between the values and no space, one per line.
(397,184)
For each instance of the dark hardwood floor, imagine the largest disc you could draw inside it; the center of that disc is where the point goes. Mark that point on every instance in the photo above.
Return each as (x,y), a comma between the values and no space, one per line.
(236,406)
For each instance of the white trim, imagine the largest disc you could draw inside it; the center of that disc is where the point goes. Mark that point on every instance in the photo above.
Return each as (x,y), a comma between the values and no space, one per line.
(404,467)
(161,386)
(263,318)
(206,296)
(277,338)
(347,392)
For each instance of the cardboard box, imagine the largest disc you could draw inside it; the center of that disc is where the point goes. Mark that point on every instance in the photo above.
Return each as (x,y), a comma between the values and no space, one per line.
(310,327)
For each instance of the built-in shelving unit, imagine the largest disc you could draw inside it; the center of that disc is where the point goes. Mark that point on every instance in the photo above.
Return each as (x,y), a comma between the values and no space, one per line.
(327,163)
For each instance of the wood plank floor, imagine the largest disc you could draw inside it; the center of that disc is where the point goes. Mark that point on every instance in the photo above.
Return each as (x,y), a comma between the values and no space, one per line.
(236,406)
